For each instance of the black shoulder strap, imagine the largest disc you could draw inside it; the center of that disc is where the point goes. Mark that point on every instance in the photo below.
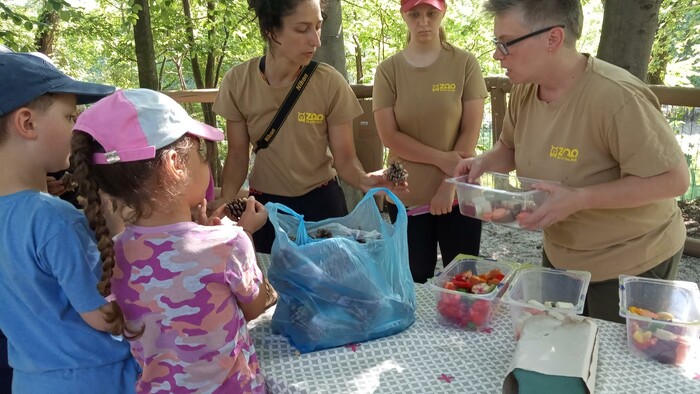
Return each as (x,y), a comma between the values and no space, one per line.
(289,101)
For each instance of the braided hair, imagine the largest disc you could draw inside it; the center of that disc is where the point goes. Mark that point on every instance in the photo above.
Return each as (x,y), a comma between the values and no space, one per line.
(88,188)
(138,186)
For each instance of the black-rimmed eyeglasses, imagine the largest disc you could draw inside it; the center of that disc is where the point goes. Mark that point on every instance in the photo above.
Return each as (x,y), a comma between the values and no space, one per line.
(503,46)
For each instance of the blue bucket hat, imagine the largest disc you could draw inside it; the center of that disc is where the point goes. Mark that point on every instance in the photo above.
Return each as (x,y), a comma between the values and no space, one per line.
(26,76)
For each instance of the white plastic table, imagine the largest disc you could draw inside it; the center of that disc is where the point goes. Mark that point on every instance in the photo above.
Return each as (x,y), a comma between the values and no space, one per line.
(430,358)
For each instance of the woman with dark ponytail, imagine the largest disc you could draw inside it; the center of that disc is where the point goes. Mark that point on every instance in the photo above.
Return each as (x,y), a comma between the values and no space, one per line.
(314,145)
(185,289)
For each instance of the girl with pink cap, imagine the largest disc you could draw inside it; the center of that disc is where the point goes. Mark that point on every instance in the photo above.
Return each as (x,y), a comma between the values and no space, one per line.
(185,291)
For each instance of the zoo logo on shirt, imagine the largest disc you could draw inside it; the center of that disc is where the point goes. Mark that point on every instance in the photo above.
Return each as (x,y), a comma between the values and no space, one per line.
(310,117)
(444,87)
(562,153)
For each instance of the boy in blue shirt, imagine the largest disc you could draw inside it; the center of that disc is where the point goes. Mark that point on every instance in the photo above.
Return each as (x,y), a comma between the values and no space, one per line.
(51,311)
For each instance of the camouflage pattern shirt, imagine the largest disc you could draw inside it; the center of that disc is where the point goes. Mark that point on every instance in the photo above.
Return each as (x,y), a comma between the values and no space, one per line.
(182,283)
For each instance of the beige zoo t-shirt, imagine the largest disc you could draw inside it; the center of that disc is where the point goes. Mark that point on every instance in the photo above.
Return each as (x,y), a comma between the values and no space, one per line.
(607,127)
(299,159)
(428,103)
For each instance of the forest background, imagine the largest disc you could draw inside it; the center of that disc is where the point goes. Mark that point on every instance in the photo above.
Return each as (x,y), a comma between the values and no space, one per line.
(195,41)
(189,44)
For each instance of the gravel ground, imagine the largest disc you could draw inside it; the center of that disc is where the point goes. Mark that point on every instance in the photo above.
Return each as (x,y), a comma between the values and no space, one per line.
(505,243)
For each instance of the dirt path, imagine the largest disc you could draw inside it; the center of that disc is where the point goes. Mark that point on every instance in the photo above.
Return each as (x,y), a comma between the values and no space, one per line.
(504,243)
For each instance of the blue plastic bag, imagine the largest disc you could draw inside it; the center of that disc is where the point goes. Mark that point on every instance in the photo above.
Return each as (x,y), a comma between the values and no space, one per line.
(349,288)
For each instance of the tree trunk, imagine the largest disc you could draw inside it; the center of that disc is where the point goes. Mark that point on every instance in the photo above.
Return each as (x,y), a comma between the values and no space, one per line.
(48,26)
(332,50)
(360,75)
(629,27)
(660,57)
(662,52)
(194,58)
(207,80)
(145,52)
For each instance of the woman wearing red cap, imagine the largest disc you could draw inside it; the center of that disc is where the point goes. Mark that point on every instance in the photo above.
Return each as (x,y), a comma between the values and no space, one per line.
(428,104)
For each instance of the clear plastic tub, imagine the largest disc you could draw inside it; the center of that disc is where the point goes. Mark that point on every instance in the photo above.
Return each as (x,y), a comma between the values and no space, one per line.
(498,198)
(663,318)
(539,290)
(462,309)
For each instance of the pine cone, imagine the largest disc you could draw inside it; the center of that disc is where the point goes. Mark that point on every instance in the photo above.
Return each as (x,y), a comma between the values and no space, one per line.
(69,181)
(235,208)
(396,173)
(323,233)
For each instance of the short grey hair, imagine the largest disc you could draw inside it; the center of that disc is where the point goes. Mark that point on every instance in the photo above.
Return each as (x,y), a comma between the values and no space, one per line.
(539,14)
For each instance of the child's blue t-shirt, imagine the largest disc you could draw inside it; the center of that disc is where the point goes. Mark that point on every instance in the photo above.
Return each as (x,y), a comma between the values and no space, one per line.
(49,269)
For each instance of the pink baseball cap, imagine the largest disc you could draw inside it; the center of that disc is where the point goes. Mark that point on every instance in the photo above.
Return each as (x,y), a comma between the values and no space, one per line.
(132,124)
(409,4)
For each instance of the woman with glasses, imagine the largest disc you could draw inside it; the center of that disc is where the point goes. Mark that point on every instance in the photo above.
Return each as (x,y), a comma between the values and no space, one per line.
(596,130)
(428,102)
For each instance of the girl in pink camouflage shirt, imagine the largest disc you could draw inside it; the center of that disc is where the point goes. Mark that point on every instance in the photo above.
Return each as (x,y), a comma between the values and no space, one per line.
(186,289)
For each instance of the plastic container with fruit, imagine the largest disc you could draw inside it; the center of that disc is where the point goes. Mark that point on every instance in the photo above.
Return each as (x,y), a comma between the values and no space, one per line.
(498,198)
(468,289)
(663,318)
(539,290)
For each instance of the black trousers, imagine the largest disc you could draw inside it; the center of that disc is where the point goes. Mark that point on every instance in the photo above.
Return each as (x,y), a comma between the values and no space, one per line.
(602,298)
(5,370)
(326,201)
(454,232)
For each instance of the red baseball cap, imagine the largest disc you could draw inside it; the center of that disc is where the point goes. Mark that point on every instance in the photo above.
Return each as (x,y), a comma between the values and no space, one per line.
(408,4)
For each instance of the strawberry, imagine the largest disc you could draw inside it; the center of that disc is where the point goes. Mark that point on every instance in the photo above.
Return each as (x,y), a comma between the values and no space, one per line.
(448,298)
(461,284)
(479,312)
(448,309)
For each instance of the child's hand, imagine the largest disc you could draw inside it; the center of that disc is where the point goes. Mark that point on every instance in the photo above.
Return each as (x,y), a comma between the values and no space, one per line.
(54,186)
(254,216)
(112,213)
(214,219)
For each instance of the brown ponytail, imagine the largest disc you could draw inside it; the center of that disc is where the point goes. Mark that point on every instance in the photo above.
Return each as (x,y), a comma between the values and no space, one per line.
(271,12)
(82,147)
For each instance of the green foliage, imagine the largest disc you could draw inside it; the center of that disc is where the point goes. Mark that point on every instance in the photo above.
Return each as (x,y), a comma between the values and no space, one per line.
(377,29)
(15,28)
(95,38)
(99,39)
(675,56)
(19,24)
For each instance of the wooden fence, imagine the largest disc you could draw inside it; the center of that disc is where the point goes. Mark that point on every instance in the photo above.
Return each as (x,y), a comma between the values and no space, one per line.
(498,88)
